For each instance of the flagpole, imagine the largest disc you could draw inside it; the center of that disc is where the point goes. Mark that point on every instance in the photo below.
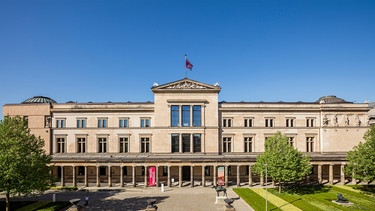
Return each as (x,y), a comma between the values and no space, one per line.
(185,67)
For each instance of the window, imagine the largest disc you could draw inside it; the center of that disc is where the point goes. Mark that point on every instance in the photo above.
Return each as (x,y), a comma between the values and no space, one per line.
(175,118)
(123,122)
(102,171)
(196,142)
(81,123)
(291,141)
(185,142)
(309,144)
(81,170)
(248,142)
(310,122)
(81,145)
(248,122)
(124,144)
(145,122)
(102,145)
(185,116)
(60,123)
(227,144)
(165,170)
(60,145)
(175,139)
(197,116)
(289,122)
(145,144)
(269,122)
(102,122)
(227,122)
(207,171)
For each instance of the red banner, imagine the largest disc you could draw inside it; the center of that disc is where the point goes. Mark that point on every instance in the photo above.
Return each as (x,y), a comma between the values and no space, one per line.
(220,175)
(152,176)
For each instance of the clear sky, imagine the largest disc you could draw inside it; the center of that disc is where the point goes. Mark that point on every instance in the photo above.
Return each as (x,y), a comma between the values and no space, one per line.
(99,51)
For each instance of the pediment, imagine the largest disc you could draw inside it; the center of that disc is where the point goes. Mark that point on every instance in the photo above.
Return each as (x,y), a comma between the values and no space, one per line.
(185,85)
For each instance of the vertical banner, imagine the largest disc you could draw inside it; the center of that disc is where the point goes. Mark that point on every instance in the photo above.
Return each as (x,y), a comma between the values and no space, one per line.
(220,175)
(152,176)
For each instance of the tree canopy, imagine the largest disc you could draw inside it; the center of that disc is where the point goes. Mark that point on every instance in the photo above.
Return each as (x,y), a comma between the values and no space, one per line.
(24,165)
(284,162)
(361,159)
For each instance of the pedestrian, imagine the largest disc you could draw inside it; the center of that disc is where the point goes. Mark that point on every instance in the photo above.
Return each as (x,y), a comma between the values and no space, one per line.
(86,200)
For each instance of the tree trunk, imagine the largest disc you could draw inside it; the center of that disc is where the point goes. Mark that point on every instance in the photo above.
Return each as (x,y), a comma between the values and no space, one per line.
(7,201)
(279,186)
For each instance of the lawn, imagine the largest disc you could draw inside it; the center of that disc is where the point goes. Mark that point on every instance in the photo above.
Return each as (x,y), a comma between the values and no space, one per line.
(35,205)
(313,198)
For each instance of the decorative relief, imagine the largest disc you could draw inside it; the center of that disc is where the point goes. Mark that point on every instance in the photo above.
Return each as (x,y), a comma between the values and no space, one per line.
(186,85)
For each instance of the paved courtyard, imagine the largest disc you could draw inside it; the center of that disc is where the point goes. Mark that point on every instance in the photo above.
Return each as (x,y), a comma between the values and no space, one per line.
(129,199)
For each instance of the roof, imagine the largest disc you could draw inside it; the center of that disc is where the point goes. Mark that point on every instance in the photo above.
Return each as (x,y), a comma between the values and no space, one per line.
(40,99)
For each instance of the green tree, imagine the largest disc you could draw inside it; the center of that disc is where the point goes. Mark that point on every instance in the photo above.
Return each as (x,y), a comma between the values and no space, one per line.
(284,162)
(361,159)
(24,165)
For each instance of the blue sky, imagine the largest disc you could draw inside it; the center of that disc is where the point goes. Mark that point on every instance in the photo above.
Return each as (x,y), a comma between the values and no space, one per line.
(99,51)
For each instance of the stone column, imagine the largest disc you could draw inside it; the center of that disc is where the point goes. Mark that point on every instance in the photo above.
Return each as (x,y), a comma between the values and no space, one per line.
(226,176)
(179,176)
(157,176)
(97,176)
(215,177)
(74,176)
(86,177)
(169,176)
(320,179)
(203,176)
(192,176)
(330,174)
(250,177)
(146,173)
(238,176)
(122,176)
(133,175)
(342,174)
(62,176)
(109,176)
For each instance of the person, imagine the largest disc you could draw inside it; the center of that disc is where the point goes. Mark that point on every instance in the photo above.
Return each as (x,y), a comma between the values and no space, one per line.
(86,200)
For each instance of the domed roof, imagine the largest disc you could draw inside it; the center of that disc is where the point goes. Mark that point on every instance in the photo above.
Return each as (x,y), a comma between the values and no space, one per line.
(331,99)
(39,99)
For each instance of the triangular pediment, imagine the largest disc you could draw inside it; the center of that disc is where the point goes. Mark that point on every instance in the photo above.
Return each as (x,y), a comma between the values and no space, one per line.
(185,85)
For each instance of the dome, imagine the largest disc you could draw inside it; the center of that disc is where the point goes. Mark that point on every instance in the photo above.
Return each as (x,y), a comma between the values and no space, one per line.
(331,99)
(39,99)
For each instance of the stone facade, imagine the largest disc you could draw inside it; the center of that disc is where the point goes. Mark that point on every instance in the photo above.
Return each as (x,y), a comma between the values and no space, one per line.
(187,137)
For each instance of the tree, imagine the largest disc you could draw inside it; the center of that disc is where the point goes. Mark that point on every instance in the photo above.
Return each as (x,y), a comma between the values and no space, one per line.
(361,159)
(284,162)
(24,165)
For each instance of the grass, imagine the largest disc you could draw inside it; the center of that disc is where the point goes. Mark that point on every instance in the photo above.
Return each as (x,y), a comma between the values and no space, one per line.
(253,199)
(35,205)
(72,188)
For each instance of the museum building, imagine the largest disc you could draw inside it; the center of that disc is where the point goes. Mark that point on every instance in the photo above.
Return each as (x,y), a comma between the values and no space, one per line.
(186,137)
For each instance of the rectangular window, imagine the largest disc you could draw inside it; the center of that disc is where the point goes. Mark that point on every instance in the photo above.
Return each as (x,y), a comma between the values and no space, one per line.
(145,144)
(185,142)
(175,141)
(102,171)
(248,142)
(60,123)
(269,122)
(175,118)
(197,142)
(309,122)
(102,145)
(309,144)
(248,122)
(185,116)
(124,144)
(102,123)
(207,171)
(145,122)
(81,145)
(291,141)
(60,145)
(197,116)
(123,122)
(81,170)
(227,144)
(81,123)
(227,122)
(289,122)
(165,170)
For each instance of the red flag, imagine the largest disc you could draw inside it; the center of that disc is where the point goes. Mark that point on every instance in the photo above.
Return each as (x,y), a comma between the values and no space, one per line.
(188,64)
